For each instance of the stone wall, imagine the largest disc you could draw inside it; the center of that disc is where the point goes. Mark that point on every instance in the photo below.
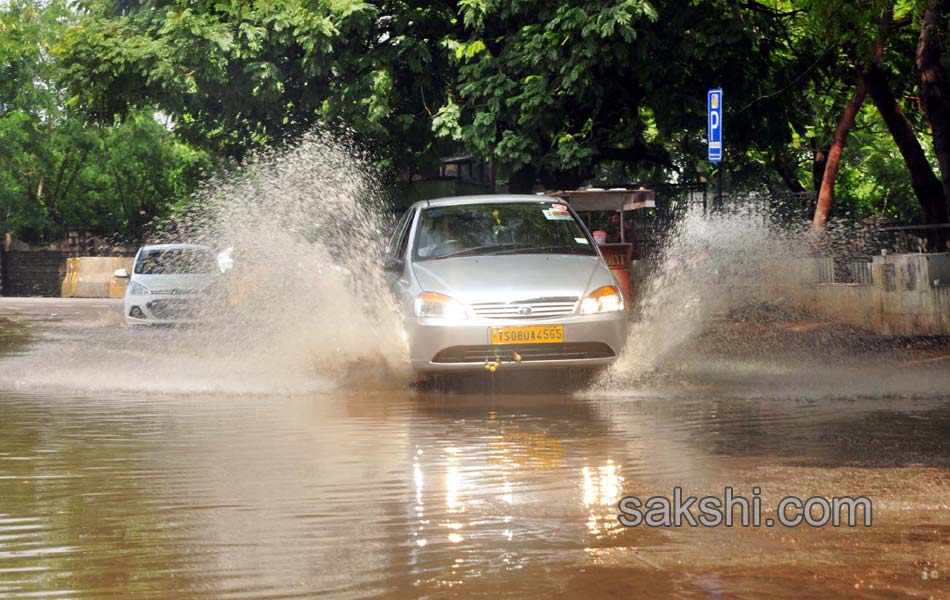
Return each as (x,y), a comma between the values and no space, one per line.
(34,272)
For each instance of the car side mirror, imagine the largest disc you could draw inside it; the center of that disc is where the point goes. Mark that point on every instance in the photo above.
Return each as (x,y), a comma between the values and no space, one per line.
(121,273)
(391,264)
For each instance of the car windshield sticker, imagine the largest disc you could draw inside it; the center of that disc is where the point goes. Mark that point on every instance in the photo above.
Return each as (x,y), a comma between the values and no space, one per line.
(581,241)
(559,207)
(557,215)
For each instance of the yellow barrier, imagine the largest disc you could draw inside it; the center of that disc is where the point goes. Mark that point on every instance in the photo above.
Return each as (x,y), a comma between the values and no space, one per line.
(92,277)
(69,282)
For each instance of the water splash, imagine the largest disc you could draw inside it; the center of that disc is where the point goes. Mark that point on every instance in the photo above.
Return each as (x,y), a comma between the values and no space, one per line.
(709,266)
(307,229)
(725,306)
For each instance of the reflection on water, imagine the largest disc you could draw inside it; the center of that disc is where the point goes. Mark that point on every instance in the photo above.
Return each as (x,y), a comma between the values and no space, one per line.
(602,491)
(411,495)
(521,450)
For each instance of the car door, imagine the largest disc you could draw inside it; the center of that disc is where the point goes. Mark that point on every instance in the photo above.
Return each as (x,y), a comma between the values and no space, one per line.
(397,256)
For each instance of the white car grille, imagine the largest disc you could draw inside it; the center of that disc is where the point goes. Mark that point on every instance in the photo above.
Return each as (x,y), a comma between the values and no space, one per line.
(526,310)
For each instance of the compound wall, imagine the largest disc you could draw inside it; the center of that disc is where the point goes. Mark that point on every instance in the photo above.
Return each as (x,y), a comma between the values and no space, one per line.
(908,294)
(33,272)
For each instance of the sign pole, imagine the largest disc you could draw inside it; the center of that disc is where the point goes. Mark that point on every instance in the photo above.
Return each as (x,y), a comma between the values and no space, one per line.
(719,190)
(715,147)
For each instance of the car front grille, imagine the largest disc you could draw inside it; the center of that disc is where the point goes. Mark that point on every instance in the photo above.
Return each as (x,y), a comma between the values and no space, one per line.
(526,352)
(545,308)
(171,309)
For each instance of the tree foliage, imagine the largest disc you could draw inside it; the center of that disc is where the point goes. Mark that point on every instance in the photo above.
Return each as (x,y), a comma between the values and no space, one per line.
(59,170)
(561,94)
(238,75)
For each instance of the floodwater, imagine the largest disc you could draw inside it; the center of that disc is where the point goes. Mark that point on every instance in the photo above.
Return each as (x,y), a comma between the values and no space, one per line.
(126,473)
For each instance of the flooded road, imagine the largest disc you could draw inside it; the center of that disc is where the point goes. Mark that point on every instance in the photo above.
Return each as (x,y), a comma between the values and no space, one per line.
(128,472)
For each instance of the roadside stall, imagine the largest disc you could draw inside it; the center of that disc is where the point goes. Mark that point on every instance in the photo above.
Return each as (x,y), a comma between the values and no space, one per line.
(608,215)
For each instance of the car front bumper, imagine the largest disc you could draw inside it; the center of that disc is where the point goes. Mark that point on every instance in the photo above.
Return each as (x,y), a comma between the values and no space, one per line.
(439,345)
(162,309)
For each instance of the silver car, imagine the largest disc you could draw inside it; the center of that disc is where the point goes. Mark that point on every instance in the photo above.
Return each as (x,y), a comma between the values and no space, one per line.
(168,284)
(488,282)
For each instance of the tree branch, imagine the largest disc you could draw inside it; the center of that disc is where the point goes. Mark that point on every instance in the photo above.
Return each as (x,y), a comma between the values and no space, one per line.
(768,10)
(636,154)
(925,183)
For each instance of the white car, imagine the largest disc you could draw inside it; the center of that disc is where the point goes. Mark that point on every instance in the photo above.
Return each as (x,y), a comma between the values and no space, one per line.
(170,283)
(503,280)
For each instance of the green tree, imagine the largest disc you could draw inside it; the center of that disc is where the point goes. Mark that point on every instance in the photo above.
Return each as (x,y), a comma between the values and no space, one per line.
(562,93)
(41,154)
(235,76)
(554,90)
(57,169)
(891,49)
(143,172)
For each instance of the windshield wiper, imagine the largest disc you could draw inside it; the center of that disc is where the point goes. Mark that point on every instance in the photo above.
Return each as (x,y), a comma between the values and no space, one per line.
(483,250)
(529,249)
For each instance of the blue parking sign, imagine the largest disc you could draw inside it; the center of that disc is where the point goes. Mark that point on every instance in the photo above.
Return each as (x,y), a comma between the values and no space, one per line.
(714,124)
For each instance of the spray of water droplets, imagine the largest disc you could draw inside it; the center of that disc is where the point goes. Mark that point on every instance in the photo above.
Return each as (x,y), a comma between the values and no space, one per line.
(709,266)
(305,230)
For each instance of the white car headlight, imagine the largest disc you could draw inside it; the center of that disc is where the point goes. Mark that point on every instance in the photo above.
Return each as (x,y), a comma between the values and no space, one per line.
(439,306)
(137,289)
(602,300)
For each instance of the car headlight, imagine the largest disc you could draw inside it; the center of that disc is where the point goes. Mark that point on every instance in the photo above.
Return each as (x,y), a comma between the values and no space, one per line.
(602,300)
(439,306)
(137,289)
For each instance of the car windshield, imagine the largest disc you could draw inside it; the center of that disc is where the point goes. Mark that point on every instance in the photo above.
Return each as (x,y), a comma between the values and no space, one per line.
(499,228)
(163,261)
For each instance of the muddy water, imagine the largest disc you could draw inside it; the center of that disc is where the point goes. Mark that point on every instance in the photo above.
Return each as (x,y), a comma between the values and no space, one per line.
(207,489)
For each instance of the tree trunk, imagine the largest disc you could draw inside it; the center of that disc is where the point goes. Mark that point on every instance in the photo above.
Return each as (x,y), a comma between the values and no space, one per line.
(787,172)
(819,161)
(827,192)
(926,185)
(935,93)
(564,180)
(522,180)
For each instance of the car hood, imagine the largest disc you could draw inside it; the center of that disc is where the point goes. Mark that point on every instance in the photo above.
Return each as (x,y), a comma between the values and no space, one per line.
(174,282)
(510,278)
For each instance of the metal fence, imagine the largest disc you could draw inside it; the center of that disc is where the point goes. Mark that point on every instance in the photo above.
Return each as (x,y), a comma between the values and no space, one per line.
(859,272)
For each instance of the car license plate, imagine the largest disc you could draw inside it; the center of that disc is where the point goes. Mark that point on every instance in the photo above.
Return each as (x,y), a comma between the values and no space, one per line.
(528,334)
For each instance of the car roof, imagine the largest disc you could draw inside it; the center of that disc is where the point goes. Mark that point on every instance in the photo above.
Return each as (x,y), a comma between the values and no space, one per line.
(485,199)
(175,247)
